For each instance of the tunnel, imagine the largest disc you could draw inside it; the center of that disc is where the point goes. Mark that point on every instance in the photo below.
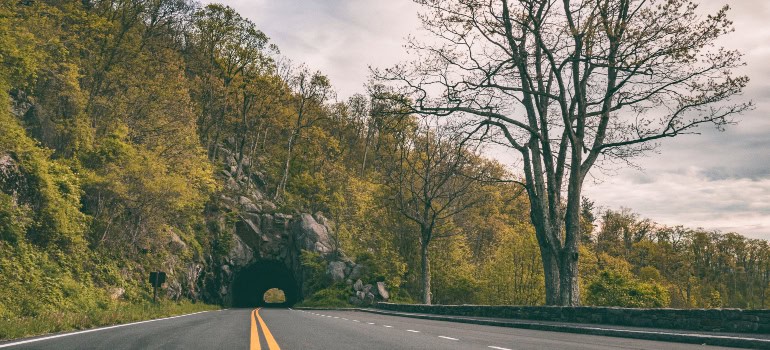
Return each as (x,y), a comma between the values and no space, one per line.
(251,283)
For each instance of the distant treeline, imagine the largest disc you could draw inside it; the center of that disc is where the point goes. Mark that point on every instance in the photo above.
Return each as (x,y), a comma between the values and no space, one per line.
(698,268)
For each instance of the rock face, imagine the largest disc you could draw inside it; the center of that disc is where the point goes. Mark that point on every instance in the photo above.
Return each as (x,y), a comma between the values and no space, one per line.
(260,234)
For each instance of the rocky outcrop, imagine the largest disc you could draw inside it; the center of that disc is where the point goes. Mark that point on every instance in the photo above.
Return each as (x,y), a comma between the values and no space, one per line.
(261,233)
(367,294)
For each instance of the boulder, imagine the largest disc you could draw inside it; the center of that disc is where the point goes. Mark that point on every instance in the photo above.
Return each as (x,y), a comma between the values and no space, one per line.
(336,270)
(357,272)
(176,244)
(358,286)
(268,206)
(243,200)
(312,235)
(369,298)
(252,208)
(322,248)
(382,291)
(320,218)
(116,293)
(240,254)
(367,288)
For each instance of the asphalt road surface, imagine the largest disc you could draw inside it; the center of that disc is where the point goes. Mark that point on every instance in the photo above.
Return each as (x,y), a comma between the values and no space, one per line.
(287,329)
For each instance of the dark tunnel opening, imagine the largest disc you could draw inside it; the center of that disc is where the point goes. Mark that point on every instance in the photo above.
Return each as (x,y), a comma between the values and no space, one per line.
(251,283)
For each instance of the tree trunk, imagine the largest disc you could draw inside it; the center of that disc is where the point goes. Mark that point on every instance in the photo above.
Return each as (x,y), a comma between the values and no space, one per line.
(551,274)
(569,291)
(544,234)
(282,185)
(425,271)
(366,151)
(568,256)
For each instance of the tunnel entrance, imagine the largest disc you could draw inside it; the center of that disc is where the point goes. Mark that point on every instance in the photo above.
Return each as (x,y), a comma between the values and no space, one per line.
(253,282)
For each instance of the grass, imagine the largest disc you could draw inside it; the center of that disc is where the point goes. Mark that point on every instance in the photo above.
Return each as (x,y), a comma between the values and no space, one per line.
(117,313)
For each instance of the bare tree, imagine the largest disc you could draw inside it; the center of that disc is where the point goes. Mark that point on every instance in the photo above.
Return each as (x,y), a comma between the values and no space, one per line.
(433,181)
(311,91)
(568,83)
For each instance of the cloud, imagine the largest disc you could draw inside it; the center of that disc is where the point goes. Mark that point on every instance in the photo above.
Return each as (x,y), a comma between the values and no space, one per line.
(691,199)
(341,38)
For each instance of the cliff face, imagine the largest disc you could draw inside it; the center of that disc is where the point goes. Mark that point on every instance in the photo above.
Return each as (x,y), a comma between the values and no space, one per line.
(262,236)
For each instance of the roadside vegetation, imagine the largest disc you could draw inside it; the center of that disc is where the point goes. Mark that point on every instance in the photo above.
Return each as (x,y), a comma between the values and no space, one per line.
(110,314)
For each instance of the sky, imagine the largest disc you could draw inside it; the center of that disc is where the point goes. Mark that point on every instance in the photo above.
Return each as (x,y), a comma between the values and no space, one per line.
(715,181)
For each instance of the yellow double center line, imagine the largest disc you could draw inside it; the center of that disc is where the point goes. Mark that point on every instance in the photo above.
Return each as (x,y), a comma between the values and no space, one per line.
(255,345)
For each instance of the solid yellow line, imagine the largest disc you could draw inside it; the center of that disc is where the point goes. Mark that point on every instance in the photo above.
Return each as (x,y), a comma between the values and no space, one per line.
(268,336)
(254,344)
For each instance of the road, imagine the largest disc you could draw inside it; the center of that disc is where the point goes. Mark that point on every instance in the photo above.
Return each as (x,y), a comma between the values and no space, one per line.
(287,329)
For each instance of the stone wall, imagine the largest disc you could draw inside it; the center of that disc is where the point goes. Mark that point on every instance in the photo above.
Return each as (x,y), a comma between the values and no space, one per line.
(714,320)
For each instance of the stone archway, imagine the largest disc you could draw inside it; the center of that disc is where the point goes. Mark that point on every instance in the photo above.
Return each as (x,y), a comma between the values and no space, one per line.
(251,283)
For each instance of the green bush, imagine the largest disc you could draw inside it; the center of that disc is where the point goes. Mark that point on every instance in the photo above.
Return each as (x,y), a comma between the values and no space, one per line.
(613,288)
(334,296)
(316,278)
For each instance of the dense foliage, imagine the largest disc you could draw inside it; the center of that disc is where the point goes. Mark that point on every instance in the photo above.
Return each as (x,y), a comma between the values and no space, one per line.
(112,119)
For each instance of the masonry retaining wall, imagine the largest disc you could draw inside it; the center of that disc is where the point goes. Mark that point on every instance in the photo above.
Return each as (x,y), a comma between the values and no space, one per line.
(713,320)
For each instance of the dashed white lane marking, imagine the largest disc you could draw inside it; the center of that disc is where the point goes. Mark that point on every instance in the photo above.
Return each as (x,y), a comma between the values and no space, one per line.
(345,319)
(412,330)
(369,322)
(336,317)
(498,348)
(449,338)
(386,326)
(356,321)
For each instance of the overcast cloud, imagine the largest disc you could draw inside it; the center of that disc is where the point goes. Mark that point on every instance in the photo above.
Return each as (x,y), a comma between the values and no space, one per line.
(717,180)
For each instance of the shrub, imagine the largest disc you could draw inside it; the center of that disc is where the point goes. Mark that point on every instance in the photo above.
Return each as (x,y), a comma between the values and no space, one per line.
(334,296)
(613,288)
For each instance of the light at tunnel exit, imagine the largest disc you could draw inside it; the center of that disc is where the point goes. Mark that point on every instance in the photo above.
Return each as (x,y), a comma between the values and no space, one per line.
(274,296)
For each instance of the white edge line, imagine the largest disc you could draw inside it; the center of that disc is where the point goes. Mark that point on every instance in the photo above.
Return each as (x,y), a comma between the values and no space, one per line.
(450,338)
(696,335)
(95,330)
